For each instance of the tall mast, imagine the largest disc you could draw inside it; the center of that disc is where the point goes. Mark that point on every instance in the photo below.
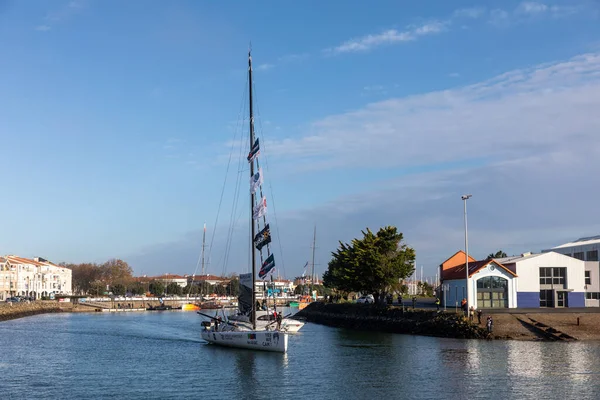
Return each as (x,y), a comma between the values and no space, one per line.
(203,246)
(253,313)
(312,275)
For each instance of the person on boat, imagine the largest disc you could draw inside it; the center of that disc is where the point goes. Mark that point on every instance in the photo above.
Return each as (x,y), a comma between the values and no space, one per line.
(279,319)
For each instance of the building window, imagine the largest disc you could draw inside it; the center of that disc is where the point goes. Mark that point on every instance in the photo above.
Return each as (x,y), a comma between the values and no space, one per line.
(546,298)
(592,255)
(492,292)
(592,296)
(588,278)
(552,276)
(578,255)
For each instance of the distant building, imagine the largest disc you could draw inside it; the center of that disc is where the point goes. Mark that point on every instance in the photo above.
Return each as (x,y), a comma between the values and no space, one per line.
(585,249)
(167,279)
(33,277)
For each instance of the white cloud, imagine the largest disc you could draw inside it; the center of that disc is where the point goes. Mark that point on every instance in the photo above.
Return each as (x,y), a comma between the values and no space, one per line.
(60,15)
(532,7)
(389,36)
(473,12)
(499,17)
(264,67)
(514,114)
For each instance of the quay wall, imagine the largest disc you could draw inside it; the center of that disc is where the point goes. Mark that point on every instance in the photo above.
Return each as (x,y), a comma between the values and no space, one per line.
(392,319)
(19,310)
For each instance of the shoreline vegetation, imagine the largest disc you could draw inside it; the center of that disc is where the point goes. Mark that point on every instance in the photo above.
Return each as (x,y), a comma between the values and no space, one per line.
(426,322)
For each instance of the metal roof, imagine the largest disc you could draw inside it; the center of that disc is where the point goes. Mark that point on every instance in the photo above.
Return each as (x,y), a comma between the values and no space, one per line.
(581,242)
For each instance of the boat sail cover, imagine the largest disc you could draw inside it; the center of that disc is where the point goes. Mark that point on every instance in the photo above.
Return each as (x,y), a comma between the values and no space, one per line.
(245,296)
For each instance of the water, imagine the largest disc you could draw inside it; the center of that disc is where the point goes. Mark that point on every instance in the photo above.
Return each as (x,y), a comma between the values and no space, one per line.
(159,355)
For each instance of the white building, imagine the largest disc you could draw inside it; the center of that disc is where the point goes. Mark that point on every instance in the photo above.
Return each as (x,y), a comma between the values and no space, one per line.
(585,249)
(35,278)
(490,284)
(547,280)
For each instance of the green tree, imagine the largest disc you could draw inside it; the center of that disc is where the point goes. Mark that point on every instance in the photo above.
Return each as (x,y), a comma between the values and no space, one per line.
(137,288)
(191,289)
(173,289)
(118,289)
(233,287)
(498,254)
(157,288)
(373,264)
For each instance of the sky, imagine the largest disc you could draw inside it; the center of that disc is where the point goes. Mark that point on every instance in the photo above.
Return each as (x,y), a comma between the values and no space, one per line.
(122,123)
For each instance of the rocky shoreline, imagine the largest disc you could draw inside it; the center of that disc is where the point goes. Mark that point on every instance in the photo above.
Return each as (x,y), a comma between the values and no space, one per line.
(392,319)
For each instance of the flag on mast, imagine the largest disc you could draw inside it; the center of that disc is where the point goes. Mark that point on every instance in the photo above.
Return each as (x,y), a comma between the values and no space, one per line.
(260,209)
(262,238)
(304,272)
(254,151)
(256,180)
(267,267)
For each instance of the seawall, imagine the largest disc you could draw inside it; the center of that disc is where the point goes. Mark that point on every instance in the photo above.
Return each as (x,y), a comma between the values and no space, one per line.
(19,310)
(392,319)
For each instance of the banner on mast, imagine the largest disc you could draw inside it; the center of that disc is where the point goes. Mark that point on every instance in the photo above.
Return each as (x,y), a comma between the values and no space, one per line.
(260,209)
(262,238)
(256,180)
(267,267)
(254,151)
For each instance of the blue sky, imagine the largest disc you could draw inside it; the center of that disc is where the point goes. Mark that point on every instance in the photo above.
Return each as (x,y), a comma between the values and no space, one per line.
(117,118)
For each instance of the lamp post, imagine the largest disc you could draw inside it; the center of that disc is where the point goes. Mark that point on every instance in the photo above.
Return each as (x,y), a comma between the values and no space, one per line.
(464,199)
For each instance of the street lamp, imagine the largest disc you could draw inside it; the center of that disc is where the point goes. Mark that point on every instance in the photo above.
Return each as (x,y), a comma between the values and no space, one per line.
(466,197)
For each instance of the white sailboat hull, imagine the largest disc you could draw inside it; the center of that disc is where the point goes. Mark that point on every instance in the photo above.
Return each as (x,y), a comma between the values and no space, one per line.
(254,340)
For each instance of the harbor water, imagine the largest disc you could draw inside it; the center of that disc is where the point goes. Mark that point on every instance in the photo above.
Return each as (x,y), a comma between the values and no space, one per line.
(159,355)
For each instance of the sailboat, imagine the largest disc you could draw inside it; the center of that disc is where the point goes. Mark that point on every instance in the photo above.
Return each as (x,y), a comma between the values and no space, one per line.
(243,332)
(306,299)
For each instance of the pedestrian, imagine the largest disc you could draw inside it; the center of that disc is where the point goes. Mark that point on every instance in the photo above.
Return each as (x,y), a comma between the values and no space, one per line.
(400,300)
(463,306)
(479,312)
(471,313)
(414,301)
(490,323)
(437,303)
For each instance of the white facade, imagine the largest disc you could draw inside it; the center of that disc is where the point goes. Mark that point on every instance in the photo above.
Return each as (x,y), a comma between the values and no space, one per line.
(481,296)
(530,288)
(34,278)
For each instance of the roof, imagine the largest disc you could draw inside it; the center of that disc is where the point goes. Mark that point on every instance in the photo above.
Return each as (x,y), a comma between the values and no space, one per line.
(471,259)
(2,259)
(581,241)
(21,260)
(514,259)
(209,278)
(458,272)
